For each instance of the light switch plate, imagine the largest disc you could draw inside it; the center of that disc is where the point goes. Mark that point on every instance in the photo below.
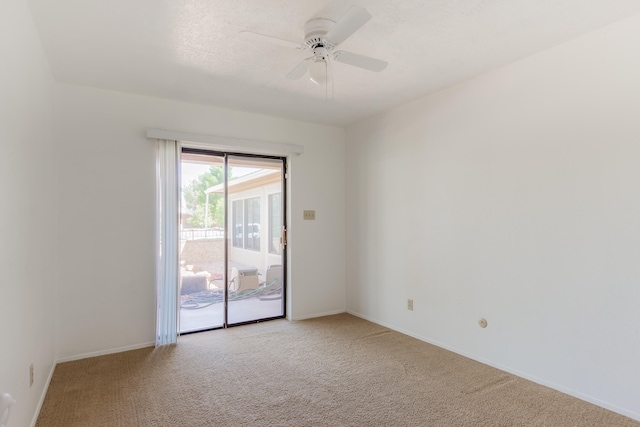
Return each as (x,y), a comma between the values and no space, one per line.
(309,215)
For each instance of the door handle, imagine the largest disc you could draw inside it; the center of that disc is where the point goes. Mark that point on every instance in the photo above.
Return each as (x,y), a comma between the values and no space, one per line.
(283,239)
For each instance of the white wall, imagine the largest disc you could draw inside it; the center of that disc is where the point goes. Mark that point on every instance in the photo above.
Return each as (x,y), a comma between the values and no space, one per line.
(28,213)
(106,296)
(515,197)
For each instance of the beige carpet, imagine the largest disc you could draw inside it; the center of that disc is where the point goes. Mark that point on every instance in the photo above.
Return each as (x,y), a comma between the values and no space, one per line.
(332,371)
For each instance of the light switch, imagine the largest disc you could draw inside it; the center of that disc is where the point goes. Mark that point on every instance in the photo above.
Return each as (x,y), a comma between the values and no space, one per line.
(309,215)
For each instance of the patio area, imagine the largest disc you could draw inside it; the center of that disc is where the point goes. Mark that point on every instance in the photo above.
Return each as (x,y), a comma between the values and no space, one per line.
(253,295)
(243,310)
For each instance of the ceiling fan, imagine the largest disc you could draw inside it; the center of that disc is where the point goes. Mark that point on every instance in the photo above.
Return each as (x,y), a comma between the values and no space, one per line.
(321,37)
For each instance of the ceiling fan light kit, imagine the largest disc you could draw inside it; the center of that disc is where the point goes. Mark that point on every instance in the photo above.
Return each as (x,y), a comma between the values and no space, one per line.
(319,72)
(321,37)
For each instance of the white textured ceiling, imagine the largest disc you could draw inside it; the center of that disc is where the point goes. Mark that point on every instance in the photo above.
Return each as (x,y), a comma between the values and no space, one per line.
(191,50)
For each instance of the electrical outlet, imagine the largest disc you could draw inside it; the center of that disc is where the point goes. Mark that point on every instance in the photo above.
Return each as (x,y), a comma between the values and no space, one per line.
(410,304)
(309,215)
(30,375)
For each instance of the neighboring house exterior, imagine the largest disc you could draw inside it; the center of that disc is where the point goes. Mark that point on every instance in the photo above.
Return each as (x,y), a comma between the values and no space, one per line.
(255,218)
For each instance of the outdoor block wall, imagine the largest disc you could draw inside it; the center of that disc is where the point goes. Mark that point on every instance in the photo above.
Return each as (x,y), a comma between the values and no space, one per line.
(204,255)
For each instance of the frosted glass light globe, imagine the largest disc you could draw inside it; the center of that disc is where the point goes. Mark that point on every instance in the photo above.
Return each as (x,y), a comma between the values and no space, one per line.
(318,72)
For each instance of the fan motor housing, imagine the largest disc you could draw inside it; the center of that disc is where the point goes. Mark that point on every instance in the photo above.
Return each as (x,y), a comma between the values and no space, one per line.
(314,32)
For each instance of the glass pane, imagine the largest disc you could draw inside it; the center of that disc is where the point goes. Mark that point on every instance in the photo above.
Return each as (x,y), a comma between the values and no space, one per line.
(237,216)
(202,243)
(275,223)
(252,224)
(255,273)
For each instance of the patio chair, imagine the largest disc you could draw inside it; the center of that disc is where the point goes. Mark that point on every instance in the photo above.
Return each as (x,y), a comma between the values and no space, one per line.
(274,272)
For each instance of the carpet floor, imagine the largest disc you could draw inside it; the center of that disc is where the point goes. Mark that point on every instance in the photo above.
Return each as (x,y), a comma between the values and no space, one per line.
(331,371)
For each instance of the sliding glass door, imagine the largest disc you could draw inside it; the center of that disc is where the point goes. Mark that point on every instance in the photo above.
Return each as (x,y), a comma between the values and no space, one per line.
(202,243)
(232,258)
(255,258)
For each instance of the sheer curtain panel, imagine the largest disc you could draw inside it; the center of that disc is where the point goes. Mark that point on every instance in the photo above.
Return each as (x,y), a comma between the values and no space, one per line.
(167,240)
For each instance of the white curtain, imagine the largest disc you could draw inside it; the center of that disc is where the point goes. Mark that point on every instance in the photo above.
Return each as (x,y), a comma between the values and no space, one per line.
(167,240)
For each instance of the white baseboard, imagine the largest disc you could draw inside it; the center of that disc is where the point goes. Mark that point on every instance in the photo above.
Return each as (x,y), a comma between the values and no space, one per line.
(43,395)
(550,384)
(104,352)
(312,316)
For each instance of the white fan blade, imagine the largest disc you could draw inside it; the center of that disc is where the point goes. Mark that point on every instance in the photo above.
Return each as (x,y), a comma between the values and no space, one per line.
(300,69)
(361,61)
(350,22)
(275,40)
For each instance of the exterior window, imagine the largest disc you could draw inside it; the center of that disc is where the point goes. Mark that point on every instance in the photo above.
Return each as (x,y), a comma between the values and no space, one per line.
(275,223)
(237,217)
(252,223)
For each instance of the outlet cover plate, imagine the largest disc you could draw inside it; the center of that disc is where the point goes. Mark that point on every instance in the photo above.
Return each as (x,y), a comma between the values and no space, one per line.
(309,215)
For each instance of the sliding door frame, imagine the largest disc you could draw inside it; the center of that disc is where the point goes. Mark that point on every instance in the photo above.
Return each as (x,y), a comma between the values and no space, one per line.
(225,155)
